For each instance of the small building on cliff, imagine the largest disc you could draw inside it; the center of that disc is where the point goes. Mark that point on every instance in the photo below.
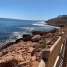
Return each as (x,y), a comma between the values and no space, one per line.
(63,17)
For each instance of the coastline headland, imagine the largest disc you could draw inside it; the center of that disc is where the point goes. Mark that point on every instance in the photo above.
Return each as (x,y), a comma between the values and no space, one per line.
(26,51)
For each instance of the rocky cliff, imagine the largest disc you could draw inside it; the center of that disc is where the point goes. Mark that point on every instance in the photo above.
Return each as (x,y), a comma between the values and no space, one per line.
(60,21)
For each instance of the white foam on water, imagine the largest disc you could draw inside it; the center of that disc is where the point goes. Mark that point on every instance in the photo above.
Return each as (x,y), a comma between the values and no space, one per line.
(18,35)
(15,35)
(44,24)
(28,28)
(41,23)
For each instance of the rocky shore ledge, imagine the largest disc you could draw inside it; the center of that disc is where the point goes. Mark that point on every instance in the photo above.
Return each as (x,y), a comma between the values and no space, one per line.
(26,51)
(60,21)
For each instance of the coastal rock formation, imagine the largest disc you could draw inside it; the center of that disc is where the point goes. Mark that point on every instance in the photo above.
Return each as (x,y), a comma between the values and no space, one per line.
(25,35)
(26,51)
(35,38)
(8,61)
(22,53)
(60,21)
(18,40)
(38,32)
(27,38)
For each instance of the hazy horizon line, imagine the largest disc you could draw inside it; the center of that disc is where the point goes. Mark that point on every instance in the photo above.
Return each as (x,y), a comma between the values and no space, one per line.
(20,19)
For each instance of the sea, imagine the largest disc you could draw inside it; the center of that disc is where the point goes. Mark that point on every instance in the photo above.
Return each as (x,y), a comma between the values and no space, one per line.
(12,29)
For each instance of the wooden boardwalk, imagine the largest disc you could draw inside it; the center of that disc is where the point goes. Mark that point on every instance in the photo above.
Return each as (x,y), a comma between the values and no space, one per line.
(62,61)
(65,56)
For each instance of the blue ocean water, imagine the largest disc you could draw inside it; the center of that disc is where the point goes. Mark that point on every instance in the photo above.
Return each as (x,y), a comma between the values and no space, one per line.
(12,29)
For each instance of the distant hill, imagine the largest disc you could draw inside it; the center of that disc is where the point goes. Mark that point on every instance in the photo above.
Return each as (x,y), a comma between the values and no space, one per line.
(61,20)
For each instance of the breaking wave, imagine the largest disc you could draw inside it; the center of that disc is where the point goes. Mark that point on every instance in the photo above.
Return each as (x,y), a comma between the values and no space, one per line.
(17,35)
(27,28)
(41,23)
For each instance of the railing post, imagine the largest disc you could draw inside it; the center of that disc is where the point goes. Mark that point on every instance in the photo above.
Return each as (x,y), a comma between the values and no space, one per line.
(45,56)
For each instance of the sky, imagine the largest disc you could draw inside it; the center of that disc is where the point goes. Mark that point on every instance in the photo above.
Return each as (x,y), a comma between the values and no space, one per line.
(32,9)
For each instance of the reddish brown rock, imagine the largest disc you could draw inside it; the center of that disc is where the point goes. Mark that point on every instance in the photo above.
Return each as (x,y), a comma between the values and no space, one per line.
(19,58)
(35,64)
(9,63)
(48,41)
(36,45)
(33,58)
(39,54)
(28,57)
(35,38)
(0,54)
(38,32)
(25,63)
(31,49)
(41,41)
(4,52)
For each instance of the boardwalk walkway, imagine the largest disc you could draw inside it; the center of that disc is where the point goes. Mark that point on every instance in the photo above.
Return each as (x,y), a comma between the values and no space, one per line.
(62,62)
(65,56)
(61,55)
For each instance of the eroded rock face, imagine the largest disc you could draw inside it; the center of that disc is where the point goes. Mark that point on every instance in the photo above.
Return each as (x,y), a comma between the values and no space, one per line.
(26,50)
(20,54)
(8,61)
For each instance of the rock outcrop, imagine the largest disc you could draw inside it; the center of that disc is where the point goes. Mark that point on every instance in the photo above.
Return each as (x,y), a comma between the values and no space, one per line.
(38,32)
(27,50)
(20,54)
(60,21)
(35,38)
(8,61)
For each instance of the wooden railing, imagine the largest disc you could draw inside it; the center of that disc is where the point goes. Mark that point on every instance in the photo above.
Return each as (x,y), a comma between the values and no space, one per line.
(49,55)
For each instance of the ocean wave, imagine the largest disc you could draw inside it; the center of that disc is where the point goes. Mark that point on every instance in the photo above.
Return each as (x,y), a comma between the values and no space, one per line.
(45,25)
(28,28)
(41,23)
(18,35)
(15,35)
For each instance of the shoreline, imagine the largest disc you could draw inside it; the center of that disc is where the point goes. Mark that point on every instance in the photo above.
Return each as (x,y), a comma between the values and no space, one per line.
(7,44)
(27,50)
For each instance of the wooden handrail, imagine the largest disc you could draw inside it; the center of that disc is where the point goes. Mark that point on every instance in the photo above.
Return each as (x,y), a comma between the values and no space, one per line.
(50,54)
